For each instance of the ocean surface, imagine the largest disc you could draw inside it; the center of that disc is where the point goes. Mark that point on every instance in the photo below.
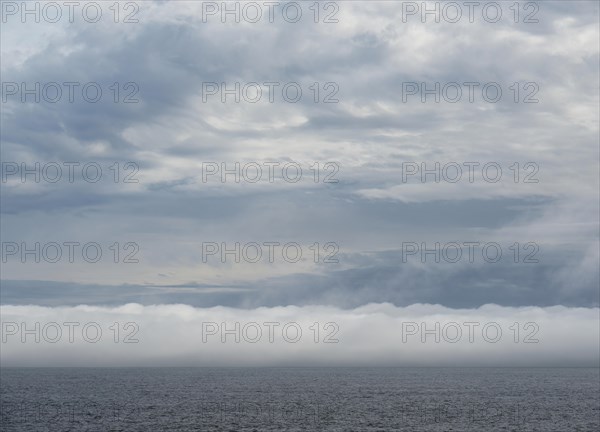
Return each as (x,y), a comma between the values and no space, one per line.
(298,399)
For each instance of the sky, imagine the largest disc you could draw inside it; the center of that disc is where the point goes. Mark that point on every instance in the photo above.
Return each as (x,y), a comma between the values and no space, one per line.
(505,231)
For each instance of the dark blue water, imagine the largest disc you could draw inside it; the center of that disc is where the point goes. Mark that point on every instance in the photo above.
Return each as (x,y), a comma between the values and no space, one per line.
(326,399)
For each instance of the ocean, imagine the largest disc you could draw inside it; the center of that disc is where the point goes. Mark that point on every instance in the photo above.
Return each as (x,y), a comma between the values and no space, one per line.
(300,399)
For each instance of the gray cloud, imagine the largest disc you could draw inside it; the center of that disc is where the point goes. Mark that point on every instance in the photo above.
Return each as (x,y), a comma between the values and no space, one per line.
(370,133)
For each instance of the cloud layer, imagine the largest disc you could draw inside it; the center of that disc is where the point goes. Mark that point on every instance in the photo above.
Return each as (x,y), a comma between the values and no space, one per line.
(371,335)
(371,133)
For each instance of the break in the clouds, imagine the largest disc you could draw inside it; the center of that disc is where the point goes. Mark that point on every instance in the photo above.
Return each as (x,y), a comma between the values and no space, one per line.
(375,138)
(374,334)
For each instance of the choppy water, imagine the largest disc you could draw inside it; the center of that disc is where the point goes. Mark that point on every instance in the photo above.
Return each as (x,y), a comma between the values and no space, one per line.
(327,399)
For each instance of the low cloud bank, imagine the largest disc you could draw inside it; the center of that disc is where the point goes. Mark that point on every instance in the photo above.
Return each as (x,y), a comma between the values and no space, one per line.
(370,335)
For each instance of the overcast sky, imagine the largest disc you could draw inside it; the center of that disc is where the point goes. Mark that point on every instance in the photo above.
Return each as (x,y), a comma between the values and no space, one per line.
(371,137)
